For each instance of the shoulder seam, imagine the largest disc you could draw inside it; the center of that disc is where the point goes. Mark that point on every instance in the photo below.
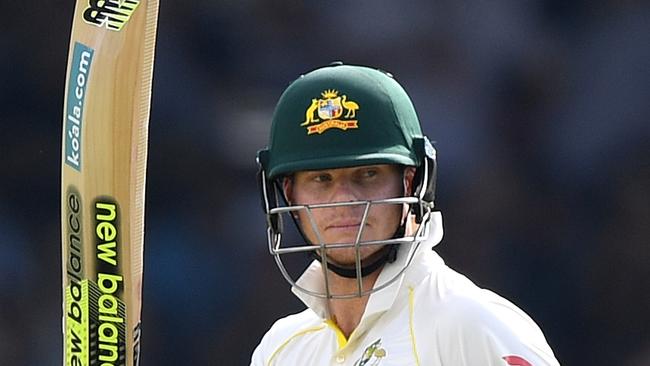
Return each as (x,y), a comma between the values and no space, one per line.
(292,337)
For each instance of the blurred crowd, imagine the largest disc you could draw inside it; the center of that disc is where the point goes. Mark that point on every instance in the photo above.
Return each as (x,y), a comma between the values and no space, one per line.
(540,112)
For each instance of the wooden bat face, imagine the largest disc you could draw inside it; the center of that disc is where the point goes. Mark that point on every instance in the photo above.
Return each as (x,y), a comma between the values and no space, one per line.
(104,149)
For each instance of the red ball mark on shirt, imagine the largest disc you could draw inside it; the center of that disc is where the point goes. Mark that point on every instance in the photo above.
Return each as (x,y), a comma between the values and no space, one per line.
(516,361)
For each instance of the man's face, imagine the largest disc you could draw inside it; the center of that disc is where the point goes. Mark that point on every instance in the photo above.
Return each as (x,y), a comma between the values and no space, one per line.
(342,224)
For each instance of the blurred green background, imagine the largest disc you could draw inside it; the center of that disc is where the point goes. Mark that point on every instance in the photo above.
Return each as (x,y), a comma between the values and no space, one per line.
(539,109)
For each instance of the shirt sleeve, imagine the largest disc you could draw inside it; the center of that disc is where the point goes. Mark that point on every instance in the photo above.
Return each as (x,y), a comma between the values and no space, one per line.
(279,333)
(257,359)
(261,353)
(493,333)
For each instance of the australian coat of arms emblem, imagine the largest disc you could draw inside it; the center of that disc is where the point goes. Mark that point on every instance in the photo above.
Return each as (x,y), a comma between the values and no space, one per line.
(328,112)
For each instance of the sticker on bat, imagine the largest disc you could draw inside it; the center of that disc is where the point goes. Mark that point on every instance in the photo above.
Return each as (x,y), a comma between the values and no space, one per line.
(107,308)
(82,58)
(76,294)
(113,14)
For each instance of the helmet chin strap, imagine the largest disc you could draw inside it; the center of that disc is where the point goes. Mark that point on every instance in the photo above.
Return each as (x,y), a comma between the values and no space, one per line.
(389,254)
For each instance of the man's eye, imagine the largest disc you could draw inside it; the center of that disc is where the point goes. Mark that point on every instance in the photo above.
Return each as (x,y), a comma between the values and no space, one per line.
(369,173)
(322,178)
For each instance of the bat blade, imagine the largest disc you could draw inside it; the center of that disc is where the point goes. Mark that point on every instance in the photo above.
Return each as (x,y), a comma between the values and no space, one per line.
(103,169)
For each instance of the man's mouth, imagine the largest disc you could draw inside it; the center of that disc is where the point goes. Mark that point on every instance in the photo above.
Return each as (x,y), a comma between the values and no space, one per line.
(344,225)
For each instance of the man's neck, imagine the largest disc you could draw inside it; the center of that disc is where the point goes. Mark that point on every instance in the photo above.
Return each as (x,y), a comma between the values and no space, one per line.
(347,313)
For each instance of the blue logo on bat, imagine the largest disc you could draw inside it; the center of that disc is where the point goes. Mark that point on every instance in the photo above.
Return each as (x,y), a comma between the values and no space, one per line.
(82,59)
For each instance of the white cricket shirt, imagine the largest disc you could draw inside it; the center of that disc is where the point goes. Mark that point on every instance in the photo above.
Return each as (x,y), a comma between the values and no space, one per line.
(432,315)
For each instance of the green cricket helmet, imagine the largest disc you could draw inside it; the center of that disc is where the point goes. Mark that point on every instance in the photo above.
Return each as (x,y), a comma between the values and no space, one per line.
(343,116)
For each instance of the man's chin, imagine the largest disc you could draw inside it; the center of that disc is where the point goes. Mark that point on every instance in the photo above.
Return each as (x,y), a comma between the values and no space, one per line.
(348,259)
(350,239)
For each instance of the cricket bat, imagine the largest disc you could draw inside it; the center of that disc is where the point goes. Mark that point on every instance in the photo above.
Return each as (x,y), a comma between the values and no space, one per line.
(104,151)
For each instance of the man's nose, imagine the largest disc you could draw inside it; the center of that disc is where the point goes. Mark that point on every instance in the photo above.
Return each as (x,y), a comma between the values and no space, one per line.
(343,191)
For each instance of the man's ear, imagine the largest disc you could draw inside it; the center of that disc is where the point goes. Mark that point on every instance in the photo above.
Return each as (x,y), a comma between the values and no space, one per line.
(409,174)
(287,189)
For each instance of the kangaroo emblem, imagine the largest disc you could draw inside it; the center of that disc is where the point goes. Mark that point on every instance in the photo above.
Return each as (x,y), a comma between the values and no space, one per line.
(311,111)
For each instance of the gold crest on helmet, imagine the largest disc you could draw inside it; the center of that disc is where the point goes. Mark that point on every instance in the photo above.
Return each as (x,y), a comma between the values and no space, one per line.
(327,113)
